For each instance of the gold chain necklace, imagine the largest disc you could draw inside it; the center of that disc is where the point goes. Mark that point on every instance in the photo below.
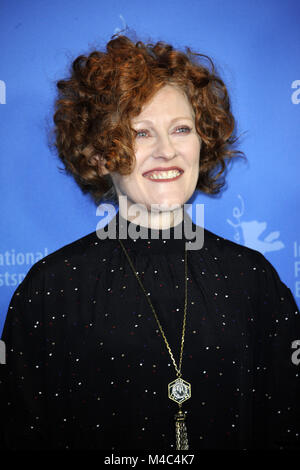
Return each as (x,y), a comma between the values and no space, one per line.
(179,390)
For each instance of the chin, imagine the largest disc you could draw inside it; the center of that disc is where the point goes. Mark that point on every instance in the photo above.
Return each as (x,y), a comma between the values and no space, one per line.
(167,205)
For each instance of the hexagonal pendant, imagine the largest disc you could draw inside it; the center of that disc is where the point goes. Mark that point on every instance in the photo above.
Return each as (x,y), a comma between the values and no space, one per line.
(179,390)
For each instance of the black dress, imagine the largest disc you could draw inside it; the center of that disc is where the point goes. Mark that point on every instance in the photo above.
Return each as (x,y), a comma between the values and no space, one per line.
(87,367)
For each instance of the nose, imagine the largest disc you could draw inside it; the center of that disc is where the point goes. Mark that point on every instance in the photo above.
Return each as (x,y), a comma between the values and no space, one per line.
(164,147)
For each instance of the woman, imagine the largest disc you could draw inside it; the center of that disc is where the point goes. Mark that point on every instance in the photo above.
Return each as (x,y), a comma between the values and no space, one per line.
(109,339)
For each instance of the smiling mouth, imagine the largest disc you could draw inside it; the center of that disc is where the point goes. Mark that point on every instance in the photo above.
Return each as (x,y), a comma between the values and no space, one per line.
(161,176)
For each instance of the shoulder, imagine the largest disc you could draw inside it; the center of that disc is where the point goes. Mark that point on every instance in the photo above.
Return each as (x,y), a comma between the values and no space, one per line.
(45,284)
(77,254)
(258,274)
(233,252)
(252,272)
(245,264)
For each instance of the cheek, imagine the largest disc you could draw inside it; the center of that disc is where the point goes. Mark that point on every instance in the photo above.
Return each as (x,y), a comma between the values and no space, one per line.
(193,155)
(141,155)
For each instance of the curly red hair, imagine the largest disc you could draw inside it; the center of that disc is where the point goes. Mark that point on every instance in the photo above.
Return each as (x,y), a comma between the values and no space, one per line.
(95,106)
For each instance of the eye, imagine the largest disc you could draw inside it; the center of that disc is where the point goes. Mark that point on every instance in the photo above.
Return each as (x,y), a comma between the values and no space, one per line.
(183,130)
(141,133)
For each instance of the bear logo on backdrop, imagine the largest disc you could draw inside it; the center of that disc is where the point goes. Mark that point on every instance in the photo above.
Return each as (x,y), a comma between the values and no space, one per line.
(250,232)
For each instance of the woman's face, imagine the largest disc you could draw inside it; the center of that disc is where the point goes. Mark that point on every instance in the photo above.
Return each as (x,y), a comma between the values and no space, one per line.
(167,150)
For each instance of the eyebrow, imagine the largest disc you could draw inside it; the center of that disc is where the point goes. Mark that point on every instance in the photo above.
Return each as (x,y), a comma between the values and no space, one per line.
(148,121)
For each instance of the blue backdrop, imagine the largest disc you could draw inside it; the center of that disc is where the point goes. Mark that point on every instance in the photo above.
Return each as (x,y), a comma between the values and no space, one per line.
(255,45)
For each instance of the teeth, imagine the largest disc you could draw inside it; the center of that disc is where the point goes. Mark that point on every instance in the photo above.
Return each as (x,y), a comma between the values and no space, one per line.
(164,175)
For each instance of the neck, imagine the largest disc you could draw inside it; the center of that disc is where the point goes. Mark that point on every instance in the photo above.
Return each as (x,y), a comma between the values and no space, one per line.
(154,219)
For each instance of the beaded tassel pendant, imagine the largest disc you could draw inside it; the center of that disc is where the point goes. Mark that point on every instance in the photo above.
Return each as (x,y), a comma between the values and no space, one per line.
(181,432)
(179,391)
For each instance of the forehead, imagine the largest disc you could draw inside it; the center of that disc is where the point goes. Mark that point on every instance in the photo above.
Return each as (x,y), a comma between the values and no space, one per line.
(170,101)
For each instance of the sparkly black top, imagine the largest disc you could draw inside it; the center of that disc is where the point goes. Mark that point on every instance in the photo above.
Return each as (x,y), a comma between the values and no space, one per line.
(87,368)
